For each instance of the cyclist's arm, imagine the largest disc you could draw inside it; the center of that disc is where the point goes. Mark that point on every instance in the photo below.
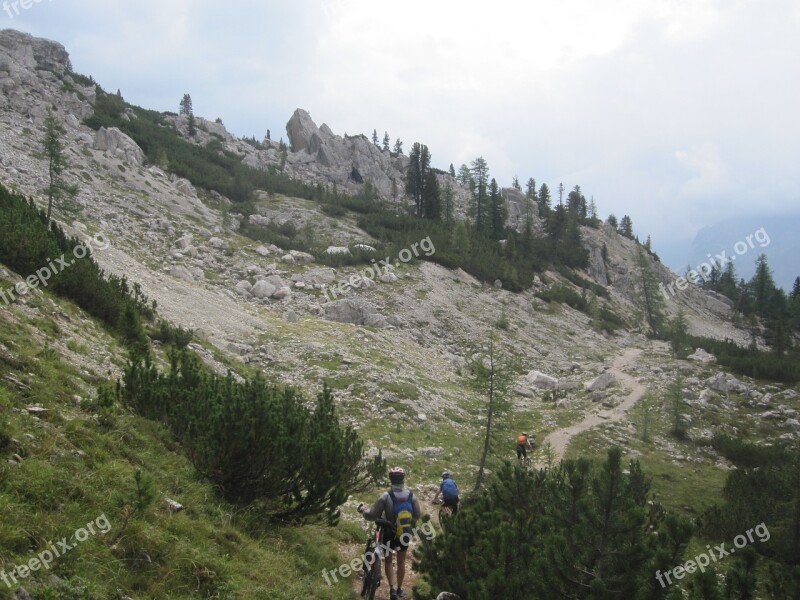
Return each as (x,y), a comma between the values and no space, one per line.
(436,497)
(377,509)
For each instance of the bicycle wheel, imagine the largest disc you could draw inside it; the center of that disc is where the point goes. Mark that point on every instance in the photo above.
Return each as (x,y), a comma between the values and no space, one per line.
(372,575)
(445,514)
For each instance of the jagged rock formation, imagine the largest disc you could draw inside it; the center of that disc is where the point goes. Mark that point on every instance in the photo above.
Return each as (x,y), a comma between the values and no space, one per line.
(319,154)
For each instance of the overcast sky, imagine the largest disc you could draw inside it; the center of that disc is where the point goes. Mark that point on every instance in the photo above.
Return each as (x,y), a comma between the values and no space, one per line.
(681,113)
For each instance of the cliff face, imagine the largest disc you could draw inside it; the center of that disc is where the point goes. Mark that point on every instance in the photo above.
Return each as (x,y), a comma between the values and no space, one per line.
(319,154)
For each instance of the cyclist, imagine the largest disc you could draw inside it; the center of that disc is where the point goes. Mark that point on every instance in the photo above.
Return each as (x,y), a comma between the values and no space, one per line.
(400,506)
(449,492)
(523,443)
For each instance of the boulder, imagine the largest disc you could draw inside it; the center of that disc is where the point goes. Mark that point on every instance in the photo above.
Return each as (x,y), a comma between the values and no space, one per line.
(282,293)
(355,311)
(541,381)
(258,220)
(184,242)
(181,272)
(432,452)
(301,257)
(120,145)
(389,278)
(262,251)
(725,383)
(702,356)
(243,288)
(219,244)
(602,382)
(319,276)
(263,289)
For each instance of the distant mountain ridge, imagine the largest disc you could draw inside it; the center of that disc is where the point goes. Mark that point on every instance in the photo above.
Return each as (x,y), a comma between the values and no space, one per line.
(775,236)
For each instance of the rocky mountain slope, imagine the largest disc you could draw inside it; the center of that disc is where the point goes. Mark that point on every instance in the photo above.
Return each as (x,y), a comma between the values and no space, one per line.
(395,350)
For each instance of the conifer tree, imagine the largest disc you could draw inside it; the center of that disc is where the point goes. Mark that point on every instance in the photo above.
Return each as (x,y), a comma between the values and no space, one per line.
(650,298)
(452,171)
(375,138)
(386,141)
(480,195)
(398,147)
(544,200)
(497,210)
(612,222)
(431,197)
(186,105)
(464,175)
(493,374)
(53,146)
(626,227)
(448,202)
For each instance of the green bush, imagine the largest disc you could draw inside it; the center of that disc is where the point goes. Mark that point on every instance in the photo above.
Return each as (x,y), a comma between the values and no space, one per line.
(28,245)
(750,361)
(256,441)
(562,294)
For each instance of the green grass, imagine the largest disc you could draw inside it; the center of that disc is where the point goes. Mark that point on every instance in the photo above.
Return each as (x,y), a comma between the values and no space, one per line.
(78,463)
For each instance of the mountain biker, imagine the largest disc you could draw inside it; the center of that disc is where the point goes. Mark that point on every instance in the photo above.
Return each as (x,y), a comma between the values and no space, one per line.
(523,443)
(448,491)
(400,506)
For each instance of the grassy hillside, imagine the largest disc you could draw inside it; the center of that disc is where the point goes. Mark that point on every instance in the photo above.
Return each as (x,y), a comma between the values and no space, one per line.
(68,464)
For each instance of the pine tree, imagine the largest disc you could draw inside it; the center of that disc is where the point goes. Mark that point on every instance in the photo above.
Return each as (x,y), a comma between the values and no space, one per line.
(448,202)
(580,531)
(375,138)
(626,227)
(763,286)
(515,184)
(53,146)
(186,105)
(612,222)
(452,171)
(679,335)
(530,189)
(560,194)
(493,375)
(398,147)
(544,200)
(464,175)
(431,197)
(419,163)
(480,199)
(497,210)
(651,300)
(386,141)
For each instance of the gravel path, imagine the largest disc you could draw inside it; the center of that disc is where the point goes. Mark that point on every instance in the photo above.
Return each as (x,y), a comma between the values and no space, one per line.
(559,440)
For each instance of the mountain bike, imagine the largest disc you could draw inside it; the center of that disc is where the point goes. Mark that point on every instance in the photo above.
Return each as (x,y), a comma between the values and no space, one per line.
(445,515)
(372,568)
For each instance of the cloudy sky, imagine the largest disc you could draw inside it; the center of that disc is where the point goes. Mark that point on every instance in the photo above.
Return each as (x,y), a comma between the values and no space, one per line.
(681,113)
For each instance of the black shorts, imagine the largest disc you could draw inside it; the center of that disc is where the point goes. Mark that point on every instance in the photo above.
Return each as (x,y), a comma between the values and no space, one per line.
(397,545)
(452,503)
(522,451)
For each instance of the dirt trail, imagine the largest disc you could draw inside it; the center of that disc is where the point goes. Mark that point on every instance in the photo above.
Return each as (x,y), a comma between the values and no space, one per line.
(559,440)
